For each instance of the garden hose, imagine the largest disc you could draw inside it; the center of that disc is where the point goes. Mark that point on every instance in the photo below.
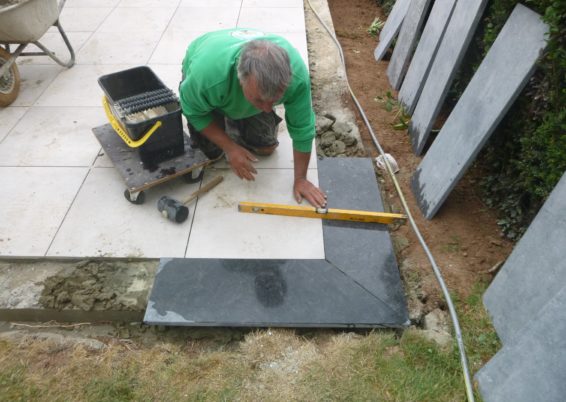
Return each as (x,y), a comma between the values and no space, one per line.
(436,270)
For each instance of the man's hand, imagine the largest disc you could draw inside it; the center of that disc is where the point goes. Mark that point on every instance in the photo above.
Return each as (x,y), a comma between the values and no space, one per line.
(302,188)
(240,160)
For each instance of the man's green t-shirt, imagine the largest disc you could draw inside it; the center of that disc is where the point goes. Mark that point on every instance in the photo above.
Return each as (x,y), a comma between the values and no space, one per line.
(211,82)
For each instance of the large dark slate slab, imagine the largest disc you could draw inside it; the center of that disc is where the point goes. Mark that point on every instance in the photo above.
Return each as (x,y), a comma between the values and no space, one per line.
(458,35)
(534,272)
(532,368)
(391,28)
(406,42)
(363,251)
(357,285)
(293,293)
(496,84)
(425,53)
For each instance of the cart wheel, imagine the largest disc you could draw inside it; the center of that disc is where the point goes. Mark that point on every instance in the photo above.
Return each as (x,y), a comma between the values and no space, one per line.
(137,200)
(194,176)
(9,82)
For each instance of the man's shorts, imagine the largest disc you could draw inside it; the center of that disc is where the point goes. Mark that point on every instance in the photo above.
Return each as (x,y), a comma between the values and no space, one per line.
(259,131)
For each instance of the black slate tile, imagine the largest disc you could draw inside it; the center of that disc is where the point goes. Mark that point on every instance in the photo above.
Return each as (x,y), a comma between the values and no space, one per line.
(362,251)
(233,292)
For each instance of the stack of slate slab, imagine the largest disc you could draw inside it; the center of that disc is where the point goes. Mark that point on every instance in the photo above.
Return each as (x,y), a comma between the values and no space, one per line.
(502,75)
(527,302)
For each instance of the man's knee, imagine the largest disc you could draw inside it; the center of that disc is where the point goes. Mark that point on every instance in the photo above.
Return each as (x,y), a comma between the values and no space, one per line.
(265,151)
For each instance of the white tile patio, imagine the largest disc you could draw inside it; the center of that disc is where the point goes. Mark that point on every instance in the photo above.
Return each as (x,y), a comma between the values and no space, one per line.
(9,117)
(44,138)
(62,195)
(34,202)
(34,81)
(140,46)
(102,223)
(82,19)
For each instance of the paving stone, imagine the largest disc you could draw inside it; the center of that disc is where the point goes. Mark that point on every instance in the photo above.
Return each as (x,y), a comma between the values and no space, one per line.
(453,46)
(425,53)
(534,272)
(296,293)
(406,42)
(391,28)
(363,251)
(357,285)
(532,368)
(498,81)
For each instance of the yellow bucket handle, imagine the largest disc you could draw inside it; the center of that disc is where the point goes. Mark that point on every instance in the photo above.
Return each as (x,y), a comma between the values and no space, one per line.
(117,126)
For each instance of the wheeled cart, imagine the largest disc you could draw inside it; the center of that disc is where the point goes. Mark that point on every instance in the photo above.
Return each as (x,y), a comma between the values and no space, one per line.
(139,177)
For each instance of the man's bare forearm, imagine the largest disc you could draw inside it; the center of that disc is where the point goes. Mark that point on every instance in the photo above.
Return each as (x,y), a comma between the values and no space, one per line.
(214,133)
(301,164)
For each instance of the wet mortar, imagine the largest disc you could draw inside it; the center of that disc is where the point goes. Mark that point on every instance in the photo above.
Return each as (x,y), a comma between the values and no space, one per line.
(99,285)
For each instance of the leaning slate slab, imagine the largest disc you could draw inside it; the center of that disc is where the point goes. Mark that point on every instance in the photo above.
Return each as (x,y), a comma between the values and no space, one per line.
(356,285)
(534,272)
(532,368)
(498,81)
(458,35)
(391,27)
(406,42)
(425,53)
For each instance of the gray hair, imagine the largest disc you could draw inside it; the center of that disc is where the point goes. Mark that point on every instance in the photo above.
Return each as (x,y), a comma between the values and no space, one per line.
(269,64)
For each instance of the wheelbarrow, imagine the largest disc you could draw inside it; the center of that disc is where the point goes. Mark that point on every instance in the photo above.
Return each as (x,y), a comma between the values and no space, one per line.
(23,22)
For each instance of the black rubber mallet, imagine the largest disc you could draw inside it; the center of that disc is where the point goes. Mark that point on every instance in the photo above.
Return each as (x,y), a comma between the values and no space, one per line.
(177,211)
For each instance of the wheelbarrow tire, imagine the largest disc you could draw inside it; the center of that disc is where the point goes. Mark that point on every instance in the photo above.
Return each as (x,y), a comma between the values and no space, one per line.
(10,86)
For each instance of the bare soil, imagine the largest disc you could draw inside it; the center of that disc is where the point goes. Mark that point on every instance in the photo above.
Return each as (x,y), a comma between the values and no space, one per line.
(463,237)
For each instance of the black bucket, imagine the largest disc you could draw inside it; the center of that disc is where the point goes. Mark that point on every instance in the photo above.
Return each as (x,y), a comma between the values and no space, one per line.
(137,89)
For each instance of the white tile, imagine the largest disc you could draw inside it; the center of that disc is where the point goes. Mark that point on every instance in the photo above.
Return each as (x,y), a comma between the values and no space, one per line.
(78,86)
(210,3)
(54,136)
(272,3)
(169,74)
(9,117)
(102,222)
(54,43)
(82,19)
(139,47)
(195,19)
(173,45)
(220,231)
(273,19)
(34,81)
(148,3)
(137,20)
(91,3)
(33,205)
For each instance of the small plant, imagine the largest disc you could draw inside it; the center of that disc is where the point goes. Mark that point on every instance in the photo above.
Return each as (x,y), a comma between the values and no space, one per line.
(375,27)
(401,119)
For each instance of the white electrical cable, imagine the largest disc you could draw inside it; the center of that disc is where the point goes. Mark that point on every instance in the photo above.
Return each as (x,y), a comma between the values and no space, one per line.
(437,273)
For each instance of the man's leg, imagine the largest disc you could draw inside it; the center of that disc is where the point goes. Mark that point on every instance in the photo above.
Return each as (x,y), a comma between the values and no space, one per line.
(211,150)
(259,133)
